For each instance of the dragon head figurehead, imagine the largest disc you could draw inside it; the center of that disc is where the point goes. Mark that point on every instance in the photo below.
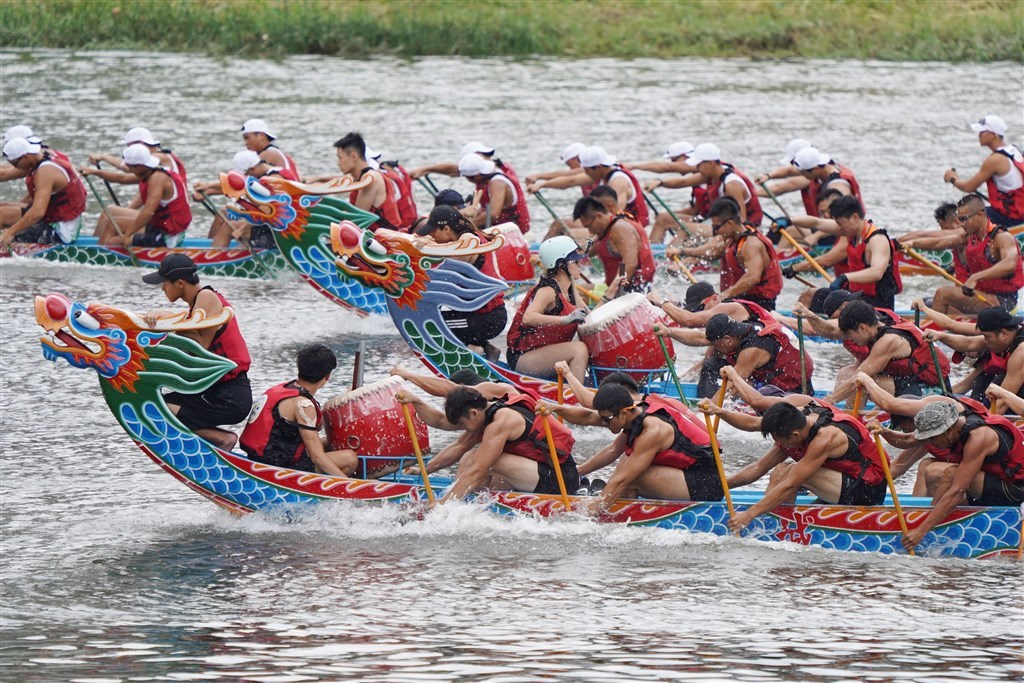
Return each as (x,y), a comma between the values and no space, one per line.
(124,350)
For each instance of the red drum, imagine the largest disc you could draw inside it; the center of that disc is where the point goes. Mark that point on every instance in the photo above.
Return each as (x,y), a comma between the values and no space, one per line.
(512,260)
(370,421)
(620,336)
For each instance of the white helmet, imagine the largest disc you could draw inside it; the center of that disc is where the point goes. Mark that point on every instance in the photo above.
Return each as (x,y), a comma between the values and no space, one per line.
(556,250)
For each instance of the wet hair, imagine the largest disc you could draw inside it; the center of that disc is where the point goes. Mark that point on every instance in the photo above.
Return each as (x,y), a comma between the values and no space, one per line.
(846,206)
(466,377)
(352,142)
(970,200)
(829,194)
(458,403)
(945,211)
(315,361)
(781,420)
(622,379)
(604,191)
(612,398)
(586,205)
(856,313)
(725,207)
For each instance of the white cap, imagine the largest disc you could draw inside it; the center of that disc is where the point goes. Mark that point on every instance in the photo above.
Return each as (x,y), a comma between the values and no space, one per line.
(245,160)
(373,154)
(595,156)
(705,151)
(474,164)
(810,158)
(794,146)
(992,124)
(257,126)
(21,132)
(139,135)
(678,149)
(138,155)
(16,148)
(475,147)
(572,151)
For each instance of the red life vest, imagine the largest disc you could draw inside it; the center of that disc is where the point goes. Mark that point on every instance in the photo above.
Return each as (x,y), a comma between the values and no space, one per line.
(861,351)
(946,454)
(533,443)
(699,200)
(289,162)
(997,363)
(960,270)
(270,438)
(890,283)
(979,258)
(174,216)
(516,212)
(635,206)
(809,194)
(404,199)
(860,461)
(783,370)
(1007,463)
(387,211)
(714,190)
(522,338)
(644,273)
(919,363)
(229,343)
(732,270)
(283,172)
(1010,204)
(176,165)
(486,265)
(691,446)
(66,204)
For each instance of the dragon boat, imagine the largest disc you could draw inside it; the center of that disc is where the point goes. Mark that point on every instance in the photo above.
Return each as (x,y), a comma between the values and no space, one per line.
(135,362)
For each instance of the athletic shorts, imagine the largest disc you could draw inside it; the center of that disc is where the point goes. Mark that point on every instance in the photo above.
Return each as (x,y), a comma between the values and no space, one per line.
(476,328)
(548,482)
(915,386)
(996,491)
(703,482)
(857,492)
(1008,301)
(225,403)
(44,232)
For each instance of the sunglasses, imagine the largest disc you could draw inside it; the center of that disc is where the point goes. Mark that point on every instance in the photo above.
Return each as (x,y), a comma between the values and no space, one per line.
(964,219)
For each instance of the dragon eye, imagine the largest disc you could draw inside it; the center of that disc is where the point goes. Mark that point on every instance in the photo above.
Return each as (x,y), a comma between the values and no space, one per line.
(86,320)
(260,189)
(377,248)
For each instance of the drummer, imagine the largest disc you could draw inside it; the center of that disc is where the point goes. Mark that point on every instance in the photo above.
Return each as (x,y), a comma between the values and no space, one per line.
(544,327)
(473,328)
(621,245)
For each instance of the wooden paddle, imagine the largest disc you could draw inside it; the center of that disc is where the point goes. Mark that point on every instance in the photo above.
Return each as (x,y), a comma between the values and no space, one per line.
(113,195)
(671,367)
(672,213)
(117,226)
(720,400)
(419,454)
(357,365)
(718,464)
(246,244)
(561,392)
(939,270)
(808,257)
(543,413)
(686,271)
(857,396)
(892,485)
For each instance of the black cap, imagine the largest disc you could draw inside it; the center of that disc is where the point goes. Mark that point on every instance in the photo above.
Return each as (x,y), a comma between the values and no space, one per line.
(997,318)
(836,298)
(173,267)
(449,197)
(441,216)
(721,325)
(695,295)
(818,300)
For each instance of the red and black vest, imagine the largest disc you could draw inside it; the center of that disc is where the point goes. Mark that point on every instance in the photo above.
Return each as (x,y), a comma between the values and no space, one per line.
(861,351)
(636,206)
(1010,204)
(753,205)
(809,194)
(1007,463)
(732,270)
(919,363)
(861,459)
(178,167)
(979,257)
(228,341)
(699,200)
(175,216)
(289,162)
(387,211)
(644,273)
(403,199)
(691,446)
(533,443)
(783,370)
(890,283)
(66,204)
(516,212)
(270,438)
(522,338)
(995,365)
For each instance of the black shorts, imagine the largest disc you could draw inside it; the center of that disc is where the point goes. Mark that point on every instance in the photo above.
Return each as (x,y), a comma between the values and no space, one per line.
(856,492)
(40,233)
(1000,219)
(703,482)
(476,328)
(915,386)
(225,403)
(766,304)
(152,237)
(996,491)
(548,482)
(880,302)
(1008,301)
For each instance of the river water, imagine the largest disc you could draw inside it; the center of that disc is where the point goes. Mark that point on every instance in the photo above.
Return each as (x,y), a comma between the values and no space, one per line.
(112,571)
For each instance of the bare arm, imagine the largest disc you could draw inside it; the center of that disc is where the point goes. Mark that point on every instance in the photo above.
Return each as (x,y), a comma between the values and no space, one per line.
(756,470)
(472,474)
(1006,246)
(879,255)
(305,419)
(604,457)
(573,179)
(657,435)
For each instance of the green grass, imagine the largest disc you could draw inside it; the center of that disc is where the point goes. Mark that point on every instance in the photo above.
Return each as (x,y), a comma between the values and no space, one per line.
(917,30)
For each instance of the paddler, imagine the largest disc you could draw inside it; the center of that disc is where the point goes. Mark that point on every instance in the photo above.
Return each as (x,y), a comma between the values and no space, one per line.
(1002,172)
(600,168)
(451,169)
(119,172)
(570,156)
(724,180)
(620,244)
(9,171)
(229,400)
(379,197)
(678,168)
(257,137)
(284,427)
(784,178)
(814,172)
(836,459)
(158,216)
(51,210)
(501,199)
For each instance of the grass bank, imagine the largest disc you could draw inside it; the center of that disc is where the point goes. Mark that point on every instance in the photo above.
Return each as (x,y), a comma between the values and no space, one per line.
(914,30)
